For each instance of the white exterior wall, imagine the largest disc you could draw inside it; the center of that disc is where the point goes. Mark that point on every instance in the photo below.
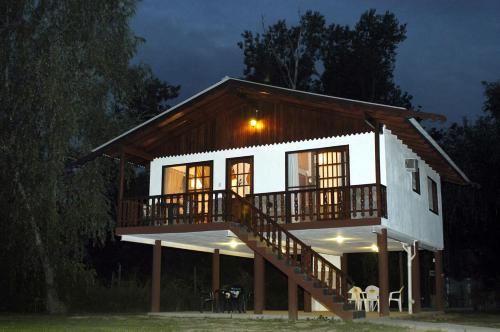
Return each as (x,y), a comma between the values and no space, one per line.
(269,162)
(408,212)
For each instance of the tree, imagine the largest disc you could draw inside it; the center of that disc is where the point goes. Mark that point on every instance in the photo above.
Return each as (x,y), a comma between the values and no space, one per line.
(471,212)
(355,63)
(64,66)
(146,95)
(492,94)
(359,63)
(282,55)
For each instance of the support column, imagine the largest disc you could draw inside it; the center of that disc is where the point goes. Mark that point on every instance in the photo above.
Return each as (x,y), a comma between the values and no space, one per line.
(401,269)
(439,276)
(307,302)
(344,269)
(215,271)
(292,300)
(377,168)
(383,272)
(258,283)
(155,280)
(415,283)
(121,185)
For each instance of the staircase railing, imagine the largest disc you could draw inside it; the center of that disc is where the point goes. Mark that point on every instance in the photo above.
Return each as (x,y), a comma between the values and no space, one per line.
(288,246)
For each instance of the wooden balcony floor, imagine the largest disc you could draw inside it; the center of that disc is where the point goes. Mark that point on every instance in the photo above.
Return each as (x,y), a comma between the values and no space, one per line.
(333,241)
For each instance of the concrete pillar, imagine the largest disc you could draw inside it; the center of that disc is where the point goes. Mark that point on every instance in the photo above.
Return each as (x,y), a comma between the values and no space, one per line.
(292,300)
(415,281)
(307,302)
(258,279)
(383,272)
(156,275)
(438,263)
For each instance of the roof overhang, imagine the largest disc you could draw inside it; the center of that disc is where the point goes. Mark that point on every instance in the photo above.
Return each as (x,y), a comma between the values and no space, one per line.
(401,121)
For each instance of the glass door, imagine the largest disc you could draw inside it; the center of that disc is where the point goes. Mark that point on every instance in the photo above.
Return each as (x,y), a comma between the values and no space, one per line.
(331,173)
(199,187)
(240,175)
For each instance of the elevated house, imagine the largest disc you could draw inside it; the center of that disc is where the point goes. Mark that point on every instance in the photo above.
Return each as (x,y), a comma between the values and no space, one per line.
(295,178)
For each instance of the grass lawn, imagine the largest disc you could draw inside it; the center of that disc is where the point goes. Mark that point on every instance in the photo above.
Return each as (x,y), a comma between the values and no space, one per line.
(145,323)
(464,318)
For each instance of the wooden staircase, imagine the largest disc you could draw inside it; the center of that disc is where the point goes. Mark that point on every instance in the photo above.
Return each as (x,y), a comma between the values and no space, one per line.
(308,269)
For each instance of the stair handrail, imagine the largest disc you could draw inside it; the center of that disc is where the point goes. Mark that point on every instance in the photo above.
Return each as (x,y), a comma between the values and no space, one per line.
(313,254)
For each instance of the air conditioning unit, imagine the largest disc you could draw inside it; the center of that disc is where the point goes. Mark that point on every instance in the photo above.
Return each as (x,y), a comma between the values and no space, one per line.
(411,165)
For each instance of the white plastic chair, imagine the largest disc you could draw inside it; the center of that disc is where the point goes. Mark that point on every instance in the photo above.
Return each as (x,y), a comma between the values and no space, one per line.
(356,296)
(372,298)
(396,297)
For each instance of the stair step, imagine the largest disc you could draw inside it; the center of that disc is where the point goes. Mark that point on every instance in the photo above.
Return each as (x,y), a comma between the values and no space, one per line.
(318,284)
(327,291)
(348,306)
(358,314)
(337,298)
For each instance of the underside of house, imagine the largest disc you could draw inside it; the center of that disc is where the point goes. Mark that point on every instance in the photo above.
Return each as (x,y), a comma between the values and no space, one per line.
(297,179)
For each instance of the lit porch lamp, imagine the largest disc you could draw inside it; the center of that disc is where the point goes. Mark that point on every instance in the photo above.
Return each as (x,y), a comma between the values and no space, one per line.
(254,122)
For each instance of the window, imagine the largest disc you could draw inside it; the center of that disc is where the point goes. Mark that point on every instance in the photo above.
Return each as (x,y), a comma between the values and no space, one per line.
(415,181)
(325,168)
(174,179)
(433,195)
(187,178)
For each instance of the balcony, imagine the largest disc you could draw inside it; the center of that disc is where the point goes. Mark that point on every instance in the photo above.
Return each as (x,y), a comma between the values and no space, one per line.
(295,206)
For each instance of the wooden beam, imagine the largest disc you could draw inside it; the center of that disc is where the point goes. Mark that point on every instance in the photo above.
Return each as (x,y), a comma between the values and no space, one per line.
(130,150)
(383,272)
(292,300)
(439,277)
(307,301)
(377,168)
(258,278)
(121,185)
(345,270)
(156,277)
(215,271)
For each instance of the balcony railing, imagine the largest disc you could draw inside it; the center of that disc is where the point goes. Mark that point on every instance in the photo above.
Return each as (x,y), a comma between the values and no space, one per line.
(354,202)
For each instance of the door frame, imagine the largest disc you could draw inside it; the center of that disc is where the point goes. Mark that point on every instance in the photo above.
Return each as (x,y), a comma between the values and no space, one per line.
(237,159)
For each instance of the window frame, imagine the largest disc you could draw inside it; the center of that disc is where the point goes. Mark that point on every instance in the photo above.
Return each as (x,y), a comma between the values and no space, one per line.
(336,148)
(187,165)
(432,190)
(416,174)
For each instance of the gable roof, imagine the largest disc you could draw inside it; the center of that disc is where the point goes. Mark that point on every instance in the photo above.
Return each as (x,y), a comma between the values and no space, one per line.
(401,121)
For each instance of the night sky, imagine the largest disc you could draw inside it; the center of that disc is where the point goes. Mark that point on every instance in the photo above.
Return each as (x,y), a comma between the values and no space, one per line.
(451,47)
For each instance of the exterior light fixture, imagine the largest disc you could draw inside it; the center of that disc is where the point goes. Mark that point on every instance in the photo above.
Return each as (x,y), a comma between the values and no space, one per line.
(339,239)
(255,122)
(374,248)
(233,244)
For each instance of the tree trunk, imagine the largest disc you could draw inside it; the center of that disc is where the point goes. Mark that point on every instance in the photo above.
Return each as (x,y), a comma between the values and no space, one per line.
(53,304)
